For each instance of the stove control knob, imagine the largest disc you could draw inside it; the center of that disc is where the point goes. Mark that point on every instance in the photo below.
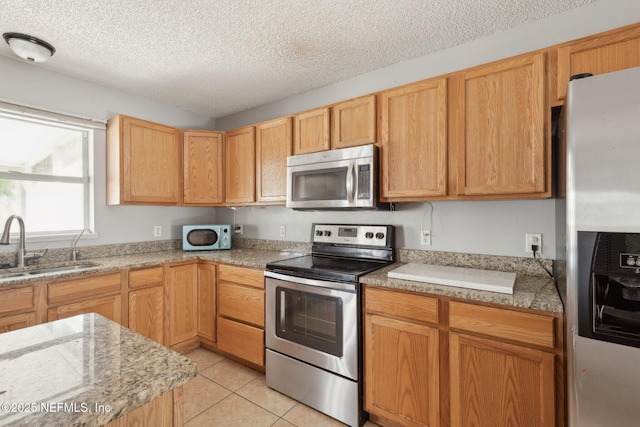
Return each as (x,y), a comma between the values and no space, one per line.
(327,233)
(379,235)
(368,235)
(318,232)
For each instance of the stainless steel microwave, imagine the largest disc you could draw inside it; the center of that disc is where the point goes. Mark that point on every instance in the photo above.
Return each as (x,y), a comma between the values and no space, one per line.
(346,178)
(206,237)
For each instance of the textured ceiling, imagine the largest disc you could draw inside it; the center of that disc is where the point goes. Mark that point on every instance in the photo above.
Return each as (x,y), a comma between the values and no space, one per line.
(219,57)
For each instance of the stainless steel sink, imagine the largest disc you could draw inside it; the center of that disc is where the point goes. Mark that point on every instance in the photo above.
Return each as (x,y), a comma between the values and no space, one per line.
(11,275)
(60,269)
(46,270)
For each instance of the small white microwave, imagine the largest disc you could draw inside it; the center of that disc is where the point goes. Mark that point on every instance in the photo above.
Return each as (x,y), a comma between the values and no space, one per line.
(206,237)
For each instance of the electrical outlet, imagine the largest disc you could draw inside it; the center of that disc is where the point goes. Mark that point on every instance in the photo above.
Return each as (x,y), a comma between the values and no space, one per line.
(238,230)
(425,237)
(157,231)
(283,231)
(533,239)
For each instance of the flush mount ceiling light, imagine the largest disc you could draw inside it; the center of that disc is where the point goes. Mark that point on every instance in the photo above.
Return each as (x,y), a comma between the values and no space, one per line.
(29,48)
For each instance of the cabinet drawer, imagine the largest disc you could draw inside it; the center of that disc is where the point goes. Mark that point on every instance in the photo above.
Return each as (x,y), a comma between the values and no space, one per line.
(241,303)
(409,306)
(16,299)
(244,276)
(17,321)
(243,341)
(146,277)
(526,328)
(86,287)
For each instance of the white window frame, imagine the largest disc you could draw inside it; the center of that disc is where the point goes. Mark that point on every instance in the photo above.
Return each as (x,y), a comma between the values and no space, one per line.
(29,114)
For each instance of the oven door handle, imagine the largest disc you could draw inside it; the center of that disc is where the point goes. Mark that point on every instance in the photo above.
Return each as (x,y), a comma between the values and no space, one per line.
(351,287)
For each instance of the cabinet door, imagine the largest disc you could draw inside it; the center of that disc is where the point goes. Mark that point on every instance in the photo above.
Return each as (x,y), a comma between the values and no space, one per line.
(17,321)
(109,307)
(146,312)
(273,145)
(203,168)
(182,294)
(603,53)
(503,146)
(207,301)
(401,371)
(311,131)
(413,141)
(497,384)
(240,166)
(144,162)
(353,122)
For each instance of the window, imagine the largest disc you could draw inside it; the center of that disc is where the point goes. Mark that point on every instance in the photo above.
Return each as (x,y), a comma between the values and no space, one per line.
(45,170)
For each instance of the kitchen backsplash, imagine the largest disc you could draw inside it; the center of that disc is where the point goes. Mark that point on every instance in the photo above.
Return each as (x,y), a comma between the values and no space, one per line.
(485,262)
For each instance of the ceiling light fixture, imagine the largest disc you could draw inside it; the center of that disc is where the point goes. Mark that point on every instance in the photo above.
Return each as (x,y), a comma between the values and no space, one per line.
(28,47)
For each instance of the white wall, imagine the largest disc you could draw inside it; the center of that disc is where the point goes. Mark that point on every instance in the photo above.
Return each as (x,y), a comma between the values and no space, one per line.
(497,227)
(481,227)
(28,84)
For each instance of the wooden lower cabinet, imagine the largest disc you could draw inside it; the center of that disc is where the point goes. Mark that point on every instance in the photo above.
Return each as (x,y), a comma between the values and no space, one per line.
(146,302)
(436,361)
(164,411)
(22,307)
(243,341)
(207,302)
(241,314)
(499,384)
(146,312)
(401,371)
(17,321)
(109,306)
(181,304)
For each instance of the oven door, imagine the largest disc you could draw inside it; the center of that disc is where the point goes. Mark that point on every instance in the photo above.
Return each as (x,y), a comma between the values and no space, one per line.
(314,321)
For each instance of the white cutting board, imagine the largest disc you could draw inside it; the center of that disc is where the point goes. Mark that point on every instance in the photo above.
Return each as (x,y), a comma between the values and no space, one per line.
(471,278)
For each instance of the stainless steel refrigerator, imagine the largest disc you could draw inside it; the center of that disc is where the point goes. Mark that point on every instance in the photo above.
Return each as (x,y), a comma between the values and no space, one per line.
(602,136)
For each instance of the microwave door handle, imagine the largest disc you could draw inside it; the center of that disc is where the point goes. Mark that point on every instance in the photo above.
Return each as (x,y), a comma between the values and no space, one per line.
(350,182)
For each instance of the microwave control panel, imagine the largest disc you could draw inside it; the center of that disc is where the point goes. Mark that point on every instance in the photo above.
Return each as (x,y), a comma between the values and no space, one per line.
(364,181)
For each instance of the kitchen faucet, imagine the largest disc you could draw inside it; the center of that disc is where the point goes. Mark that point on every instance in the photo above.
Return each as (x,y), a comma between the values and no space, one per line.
(22,254)
(74,251)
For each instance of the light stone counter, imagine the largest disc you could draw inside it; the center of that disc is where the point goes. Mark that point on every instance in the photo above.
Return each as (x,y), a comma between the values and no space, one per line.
(534,292)
(66,372)
(256,258)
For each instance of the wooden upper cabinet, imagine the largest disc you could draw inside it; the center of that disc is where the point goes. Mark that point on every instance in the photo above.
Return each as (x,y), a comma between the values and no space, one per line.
(144,162)
(603,53)
(413,141)
(240,166)
(311,131)
(203,167)
(353,122)
(273,145)
(502,129)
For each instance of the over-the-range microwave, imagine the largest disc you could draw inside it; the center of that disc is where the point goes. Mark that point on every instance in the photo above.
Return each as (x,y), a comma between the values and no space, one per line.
(206,237)
(345,178)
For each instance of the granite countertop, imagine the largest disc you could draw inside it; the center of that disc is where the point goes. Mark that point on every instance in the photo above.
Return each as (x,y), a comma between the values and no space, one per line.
(530,291)
(254,258)
(534,292)
(66,372)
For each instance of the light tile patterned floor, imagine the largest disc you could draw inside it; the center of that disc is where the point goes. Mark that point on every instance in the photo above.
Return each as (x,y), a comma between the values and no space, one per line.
(228,394)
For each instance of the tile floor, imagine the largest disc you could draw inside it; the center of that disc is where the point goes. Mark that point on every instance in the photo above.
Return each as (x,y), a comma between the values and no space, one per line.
(226,393)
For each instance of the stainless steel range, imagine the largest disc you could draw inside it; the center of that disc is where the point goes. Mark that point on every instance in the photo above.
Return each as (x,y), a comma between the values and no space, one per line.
(314,319)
